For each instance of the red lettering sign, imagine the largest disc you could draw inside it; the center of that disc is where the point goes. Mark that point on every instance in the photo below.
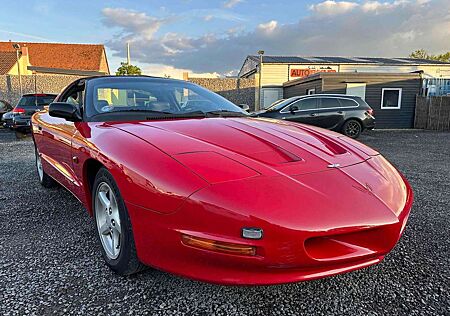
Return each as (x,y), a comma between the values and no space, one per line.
(299,73)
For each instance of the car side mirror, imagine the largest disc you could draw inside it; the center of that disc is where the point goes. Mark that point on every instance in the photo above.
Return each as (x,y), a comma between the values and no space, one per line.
(65,110)
(293,108)
(245,107)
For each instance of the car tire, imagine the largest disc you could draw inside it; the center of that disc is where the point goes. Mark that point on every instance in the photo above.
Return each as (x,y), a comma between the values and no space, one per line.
(352,128)
(44,179)
(113,226)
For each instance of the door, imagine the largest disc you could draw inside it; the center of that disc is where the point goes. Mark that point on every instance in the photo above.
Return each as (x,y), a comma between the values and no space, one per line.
(56,141)
(270,95)
(302,111)
(330,113)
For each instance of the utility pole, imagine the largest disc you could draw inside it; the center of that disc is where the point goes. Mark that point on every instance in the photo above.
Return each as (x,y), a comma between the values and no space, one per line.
(258,104)
(16,46)
(128,54)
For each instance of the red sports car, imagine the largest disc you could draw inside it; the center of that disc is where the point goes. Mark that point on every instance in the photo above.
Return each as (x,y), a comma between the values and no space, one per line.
(178,178)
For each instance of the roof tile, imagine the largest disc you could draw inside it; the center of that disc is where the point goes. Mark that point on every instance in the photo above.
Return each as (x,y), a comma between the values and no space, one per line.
(59,55)
(7,61)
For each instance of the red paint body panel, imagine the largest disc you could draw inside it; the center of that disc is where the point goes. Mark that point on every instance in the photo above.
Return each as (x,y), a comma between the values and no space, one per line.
(212,177)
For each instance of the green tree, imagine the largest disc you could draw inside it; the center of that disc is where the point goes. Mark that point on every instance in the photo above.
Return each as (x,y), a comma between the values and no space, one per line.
(128,70)
(423,54)
(443,57)
(419,54)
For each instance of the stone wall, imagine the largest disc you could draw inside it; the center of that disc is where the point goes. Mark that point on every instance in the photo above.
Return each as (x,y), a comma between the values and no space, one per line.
(238,91)
(10,88)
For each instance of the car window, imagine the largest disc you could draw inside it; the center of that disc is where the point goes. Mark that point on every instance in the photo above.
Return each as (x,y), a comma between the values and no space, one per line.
(347,103)
(327,103)
(40,100)
(308,104)
(74,95)
(141,94)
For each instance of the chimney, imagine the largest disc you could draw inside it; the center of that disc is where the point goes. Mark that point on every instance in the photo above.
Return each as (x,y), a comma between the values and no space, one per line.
(24,60)
(185,76)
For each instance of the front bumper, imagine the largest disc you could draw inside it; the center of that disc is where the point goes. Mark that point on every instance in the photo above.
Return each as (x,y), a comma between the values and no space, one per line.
(284,255)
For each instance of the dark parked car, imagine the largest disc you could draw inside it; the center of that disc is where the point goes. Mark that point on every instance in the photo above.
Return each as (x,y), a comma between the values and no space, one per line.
(5,113)
(27,106)
(7,120)
(347,114)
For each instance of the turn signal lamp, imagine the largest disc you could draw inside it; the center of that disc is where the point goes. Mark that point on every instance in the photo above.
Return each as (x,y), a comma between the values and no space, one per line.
(218,246)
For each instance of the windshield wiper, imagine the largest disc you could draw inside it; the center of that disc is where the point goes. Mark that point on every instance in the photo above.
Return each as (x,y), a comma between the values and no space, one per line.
(225,113)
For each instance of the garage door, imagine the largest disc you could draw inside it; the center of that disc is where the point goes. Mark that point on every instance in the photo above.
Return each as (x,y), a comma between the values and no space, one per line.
(270,95)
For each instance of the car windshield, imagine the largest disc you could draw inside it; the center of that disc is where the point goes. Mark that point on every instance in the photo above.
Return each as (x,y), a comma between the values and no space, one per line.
(275,104)
(280,104)
(36,100)
(153,97)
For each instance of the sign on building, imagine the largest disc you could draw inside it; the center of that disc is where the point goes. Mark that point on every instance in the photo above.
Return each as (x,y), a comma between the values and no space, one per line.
(301,71)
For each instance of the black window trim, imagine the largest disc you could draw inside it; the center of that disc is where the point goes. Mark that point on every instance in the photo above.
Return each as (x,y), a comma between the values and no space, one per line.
(318,109)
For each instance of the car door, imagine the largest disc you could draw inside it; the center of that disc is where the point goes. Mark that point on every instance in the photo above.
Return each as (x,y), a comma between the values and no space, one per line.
(330,113)
(56,144)
(301,111)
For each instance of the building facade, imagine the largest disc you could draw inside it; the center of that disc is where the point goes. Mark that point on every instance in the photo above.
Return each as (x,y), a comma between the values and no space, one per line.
(392,96)
(52,58)
(274,71)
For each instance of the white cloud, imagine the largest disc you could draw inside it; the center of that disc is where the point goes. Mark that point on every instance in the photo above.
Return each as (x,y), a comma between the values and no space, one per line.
(330,7)
(160,70)
(231,3)
(132,22)
(208,17)
(371,28)
(269,26)
(376,6)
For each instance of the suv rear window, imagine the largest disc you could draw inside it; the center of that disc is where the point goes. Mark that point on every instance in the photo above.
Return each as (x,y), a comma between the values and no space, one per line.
(31,100)
(347,103)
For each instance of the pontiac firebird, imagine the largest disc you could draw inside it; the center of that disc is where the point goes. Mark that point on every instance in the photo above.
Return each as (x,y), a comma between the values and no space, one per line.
(178,178)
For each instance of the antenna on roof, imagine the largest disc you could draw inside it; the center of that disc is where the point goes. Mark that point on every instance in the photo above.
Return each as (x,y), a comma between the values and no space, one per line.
(128,54)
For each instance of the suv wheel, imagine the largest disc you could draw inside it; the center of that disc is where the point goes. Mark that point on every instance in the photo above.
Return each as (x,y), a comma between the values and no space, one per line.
(352,128)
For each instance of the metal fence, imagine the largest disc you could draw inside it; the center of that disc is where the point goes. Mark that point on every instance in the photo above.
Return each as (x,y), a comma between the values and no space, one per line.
(432,113)
(435,87)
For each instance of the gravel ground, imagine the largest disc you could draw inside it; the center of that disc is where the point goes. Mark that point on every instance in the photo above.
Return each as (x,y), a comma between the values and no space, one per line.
(51,263)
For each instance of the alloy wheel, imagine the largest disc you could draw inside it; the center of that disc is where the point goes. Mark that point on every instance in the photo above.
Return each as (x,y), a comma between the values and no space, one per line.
(39,167)
(352,129)
(108,220)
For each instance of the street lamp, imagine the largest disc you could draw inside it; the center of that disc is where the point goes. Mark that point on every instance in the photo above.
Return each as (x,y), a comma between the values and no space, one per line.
(258,105)
(16,46)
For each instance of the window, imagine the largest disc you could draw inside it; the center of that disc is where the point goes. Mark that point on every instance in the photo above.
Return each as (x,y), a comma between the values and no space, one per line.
(3,106)
(308,104)
(327,103)
(36,100)
(140,95)
(357,89)
(311,91)
(74,95)
(391,98)
(348,103)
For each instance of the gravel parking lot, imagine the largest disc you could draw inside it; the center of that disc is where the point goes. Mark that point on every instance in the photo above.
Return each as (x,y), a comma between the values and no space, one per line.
(51,263)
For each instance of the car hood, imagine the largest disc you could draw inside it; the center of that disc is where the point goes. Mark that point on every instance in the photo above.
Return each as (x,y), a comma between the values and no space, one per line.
(265,145)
